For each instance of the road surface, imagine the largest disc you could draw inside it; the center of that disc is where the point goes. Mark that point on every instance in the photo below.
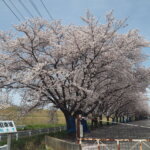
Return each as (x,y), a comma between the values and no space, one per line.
(134,130)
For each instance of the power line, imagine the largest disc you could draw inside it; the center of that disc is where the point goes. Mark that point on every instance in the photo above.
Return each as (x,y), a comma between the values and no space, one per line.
(34,6)
(17,9)
(11,10)
(49,14)
(25,8)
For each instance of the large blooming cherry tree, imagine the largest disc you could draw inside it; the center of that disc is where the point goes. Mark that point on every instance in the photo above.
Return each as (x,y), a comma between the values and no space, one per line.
(86,68)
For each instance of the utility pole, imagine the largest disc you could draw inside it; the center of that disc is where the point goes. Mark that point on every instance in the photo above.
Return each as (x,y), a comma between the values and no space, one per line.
(78,128)
(9,142)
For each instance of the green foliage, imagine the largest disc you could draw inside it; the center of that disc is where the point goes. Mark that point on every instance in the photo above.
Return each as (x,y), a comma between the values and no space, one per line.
(2,143)
(29,143)
(60,135)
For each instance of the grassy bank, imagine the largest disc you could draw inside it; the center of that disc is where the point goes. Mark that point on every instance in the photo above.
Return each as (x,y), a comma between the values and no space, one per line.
(36,117)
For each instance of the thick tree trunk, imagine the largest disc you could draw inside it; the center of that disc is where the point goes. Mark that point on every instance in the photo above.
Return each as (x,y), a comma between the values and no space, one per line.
(70,122)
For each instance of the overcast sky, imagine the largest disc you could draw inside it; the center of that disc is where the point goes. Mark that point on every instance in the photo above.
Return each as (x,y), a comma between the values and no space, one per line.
(69,11)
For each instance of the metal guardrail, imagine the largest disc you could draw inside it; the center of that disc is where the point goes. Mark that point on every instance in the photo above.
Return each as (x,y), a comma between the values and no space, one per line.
(115,144)
(20,126)
(29,133)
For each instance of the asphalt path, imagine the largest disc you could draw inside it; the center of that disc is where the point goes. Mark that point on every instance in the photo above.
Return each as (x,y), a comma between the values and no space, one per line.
(132,130)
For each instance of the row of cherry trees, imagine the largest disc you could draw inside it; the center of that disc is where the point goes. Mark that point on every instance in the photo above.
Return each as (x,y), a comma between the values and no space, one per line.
(93,68)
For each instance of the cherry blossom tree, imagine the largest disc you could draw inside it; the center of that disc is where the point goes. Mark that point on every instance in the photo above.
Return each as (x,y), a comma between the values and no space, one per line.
(123,98)
(78,69)
(5,100)
(5,103)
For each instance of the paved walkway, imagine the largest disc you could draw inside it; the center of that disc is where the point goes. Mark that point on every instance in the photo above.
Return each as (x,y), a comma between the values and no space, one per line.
(134,130)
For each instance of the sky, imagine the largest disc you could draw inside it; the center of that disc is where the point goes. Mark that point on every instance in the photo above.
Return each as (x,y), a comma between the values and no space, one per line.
(70,11)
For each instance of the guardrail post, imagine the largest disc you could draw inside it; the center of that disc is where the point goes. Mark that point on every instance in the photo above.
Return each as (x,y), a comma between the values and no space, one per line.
(16,136)
(80,141)
(8,141)
(98,145)
(78,128)
(141,145)
(54,129)
(29,133)
(118,145)
(64,128)
(48,131)
(40,131)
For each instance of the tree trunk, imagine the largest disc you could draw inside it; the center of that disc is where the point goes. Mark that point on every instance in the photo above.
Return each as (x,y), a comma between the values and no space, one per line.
(120,119)
(127,119)
(123,119)
(113,120)
(70,122)
(100,122)
(130,119)
(116,119)
(107,120)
